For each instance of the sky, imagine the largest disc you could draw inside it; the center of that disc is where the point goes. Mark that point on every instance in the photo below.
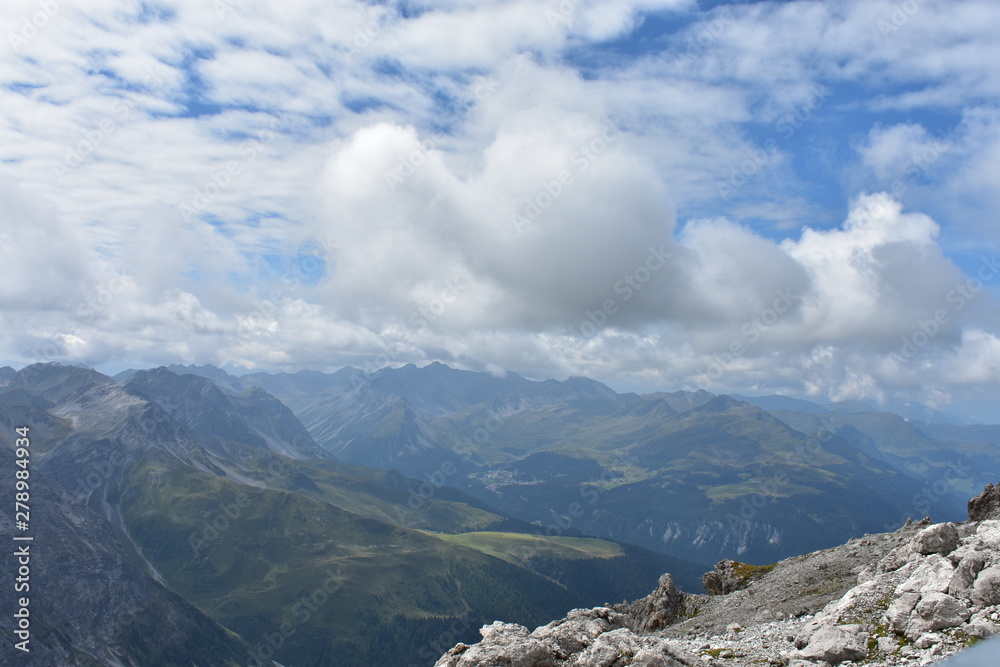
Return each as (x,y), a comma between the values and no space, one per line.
(758,197)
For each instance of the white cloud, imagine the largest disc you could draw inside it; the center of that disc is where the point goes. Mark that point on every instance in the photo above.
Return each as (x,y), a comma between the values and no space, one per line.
(201,152)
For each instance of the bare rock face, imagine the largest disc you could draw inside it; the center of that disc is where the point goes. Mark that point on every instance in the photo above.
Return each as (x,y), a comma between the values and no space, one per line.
(965,575)
(724,579)
(503,644)
(986,505)
(900,599)
(941,538)
(986,590)
(586,637)
(660,608)
(936,611)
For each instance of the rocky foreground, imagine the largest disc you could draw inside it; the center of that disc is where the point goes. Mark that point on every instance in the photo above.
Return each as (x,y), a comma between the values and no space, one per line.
(912,597)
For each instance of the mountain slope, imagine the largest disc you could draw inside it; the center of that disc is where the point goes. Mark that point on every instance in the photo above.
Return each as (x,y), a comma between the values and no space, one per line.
(196,497)
(687,473)
(90,603)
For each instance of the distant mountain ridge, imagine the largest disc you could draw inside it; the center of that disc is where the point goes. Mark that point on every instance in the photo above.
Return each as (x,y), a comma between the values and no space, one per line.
(691,474)
(199,511)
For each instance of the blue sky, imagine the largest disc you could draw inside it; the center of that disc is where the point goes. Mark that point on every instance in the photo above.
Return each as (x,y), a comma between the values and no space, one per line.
(760,197)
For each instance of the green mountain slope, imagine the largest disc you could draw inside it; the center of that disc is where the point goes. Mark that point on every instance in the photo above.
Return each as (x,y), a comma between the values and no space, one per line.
(307,561)
(690,474)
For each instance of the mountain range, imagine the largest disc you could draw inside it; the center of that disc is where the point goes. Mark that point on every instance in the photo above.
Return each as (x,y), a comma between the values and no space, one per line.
(376,519)
(691,474)
(179,522)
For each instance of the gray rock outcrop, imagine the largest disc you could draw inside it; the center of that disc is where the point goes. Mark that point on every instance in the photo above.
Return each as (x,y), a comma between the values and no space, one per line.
(986,505)
(723,579)
(906,598)
(586,637)
(940,538)
(663,607)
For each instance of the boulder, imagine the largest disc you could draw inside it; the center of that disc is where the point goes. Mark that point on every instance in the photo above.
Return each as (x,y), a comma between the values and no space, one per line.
(608,648)
(578,630)
(934,573)
(965,575)
(986,505)
(622,647)
(936,611)
(887,644)
(835,644)
(502,644)
(986,590)
(899,612)
(941,538)
(981,629)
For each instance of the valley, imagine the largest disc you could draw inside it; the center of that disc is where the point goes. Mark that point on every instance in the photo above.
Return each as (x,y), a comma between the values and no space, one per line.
(347,519)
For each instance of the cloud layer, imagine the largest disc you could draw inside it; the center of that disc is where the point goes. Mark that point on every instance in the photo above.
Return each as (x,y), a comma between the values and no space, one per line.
(777,197)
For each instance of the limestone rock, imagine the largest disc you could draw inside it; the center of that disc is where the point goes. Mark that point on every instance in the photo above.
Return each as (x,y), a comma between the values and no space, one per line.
(965,575)
(726,577)
(986,590)
(836,643)
(981,629)
(899,612)
(934,573)
(936,611)
(941,538)
(887,644)
(578,630)
(503,644)
(986,505)
(661,608)
(897,558)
